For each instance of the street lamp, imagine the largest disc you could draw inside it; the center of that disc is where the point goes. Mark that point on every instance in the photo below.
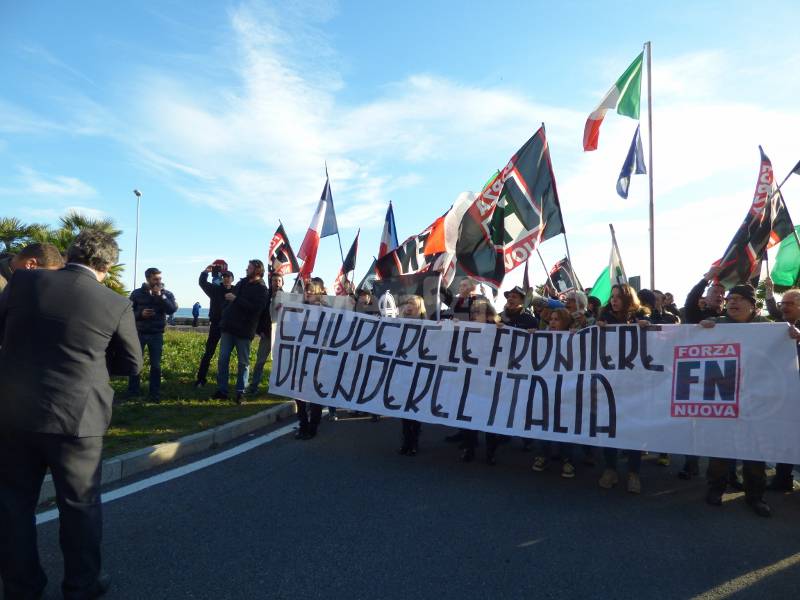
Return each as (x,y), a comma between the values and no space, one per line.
(138,195)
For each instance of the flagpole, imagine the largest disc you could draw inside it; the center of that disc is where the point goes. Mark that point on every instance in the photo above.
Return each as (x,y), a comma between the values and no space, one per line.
(552,285)
(778,191)
(650,169)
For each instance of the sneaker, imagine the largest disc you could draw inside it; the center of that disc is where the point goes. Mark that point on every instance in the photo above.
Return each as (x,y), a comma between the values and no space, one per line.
(714,497)
(781,485)
(332,417)
(239,397)
(567,470)
(219,395)
(760,507)
(663,460)
(609,479)
(374,418)
(539,464)
(634,484)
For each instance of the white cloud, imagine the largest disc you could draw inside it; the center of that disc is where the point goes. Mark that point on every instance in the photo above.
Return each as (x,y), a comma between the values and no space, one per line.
(55,185)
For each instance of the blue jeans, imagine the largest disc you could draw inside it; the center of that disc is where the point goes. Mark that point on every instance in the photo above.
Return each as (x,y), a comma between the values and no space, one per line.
(264,350)
(154,342)
(226,347)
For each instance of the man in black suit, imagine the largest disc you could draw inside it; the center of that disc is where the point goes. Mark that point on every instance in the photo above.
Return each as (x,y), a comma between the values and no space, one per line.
(62,334)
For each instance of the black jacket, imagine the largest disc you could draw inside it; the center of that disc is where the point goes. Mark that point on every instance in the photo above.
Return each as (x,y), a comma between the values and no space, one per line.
(216,294)
(163,305)
(62,334)
(692,312)
(244,316)
(5,271)
(610,318)
(522,320)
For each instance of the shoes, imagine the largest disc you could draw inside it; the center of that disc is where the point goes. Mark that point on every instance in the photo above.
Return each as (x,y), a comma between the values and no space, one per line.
(760,507)
(412,451)
(404,450)
(154,399)
(467,455)
(714,497)
(100,586)
(310,434)
(736,484)
(300,434)
(199,384)
(239,398)
(608,479)
(689,470)
(779,485)
(456,437)
(219,395)
(332,417)
(663,460)
(375,418)
(634,483)
(539,464)
(251,391)
(567,470)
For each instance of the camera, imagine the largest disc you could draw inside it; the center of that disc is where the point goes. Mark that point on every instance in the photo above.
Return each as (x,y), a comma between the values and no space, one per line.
(216,269)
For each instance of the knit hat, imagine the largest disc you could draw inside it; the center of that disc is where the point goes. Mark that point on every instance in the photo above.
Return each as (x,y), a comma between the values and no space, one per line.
(744,290)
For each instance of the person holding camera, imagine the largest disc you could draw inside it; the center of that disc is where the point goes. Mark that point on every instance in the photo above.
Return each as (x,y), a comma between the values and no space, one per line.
(241,318)
(216,294)
(151,305)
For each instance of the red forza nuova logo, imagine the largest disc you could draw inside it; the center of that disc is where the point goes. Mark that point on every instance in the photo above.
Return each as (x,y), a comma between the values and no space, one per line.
(705,381)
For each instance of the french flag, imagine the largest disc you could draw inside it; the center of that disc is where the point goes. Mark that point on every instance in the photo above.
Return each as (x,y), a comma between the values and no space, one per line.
(323,224)
(389,235)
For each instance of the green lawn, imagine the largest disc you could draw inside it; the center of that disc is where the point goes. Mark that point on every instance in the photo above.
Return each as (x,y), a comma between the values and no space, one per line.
(183,409)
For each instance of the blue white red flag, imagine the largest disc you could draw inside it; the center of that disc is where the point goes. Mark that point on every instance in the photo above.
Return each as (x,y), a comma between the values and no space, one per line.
(389,235)
(634,163)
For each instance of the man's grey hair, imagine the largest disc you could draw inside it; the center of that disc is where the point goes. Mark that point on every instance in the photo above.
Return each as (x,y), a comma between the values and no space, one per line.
(95,249)
(581,300)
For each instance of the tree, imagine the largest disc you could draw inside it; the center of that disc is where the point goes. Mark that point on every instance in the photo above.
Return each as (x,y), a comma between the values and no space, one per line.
(15,234)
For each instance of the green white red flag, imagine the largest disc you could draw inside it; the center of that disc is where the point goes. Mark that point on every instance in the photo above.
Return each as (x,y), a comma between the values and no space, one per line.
(624,97)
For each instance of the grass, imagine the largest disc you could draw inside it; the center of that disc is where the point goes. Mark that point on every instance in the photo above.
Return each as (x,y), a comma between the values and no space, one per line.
(183,409)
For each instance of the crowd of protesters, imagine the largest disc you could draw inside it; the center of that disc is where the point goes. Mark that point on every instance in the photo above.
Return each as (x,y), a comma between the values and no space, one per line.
(243,311)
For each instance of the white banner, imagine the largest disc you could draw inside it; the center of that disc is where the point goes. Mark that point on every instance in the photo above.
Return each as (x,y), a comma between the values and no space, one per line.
(730,391)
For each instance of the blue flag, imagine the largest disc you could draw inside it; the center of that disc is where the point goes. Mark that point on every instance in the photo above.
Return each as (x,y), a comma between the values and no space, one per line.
(634,163)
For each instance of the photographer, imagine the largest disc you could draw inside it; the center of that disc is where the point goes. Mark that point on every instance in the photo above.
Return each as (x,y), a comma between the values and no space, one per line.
(216,293)
(151,305)
(239,323)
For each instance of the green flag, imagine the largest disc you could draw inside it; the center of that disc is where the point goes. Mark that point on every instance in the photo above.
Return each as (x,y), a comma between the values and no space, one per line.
(602,287)
(787,263)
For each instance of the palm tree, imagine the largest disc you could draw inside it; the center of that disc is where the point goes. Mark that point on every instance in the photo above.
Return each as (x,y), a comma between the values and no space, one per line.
(13,233)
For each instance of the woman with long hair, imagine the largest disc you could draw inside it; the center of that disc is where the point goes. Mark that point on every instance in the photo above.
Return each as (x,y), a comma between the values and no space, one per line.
(412,307)
(480,311)
(561,319)
(623,308)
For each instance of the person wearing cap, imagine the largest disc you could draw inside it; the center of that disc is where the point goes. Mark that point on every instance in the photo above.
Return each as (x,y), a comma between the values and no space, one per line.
(216,294)
(514,313)
(740,308)
(623,308)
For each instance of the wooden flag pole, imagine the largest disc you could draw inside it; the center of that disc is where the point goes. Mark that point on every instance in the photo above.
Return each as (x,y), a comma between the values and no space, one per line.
(650,169)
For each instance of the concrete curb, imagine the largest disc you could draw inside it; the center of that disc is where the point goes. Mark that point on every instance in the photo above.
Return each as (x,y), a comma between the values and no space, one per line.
(125,465)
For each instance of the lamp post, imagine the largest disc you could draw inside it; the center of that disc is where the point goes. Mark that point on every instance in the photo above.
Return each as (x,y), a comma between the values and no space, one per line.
(138,195)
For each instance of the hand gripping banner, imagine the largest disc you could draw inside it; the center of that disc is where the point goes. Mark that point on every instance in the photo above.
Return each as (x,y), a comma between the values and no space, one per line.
(730,391)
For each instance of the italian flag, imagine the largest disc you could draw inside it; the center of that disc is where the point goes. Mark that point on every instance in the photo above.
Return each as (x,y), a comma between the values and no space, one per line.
(624,96)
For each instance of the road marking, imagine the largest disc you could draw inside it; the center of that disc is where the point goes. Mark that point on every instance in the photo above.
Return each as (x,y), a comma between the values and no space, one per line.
(127,490)
(734,586)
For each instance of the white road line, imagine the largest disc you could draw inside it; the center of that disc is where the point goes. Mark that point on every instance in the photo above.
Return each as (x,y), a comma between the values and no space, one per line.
(127,490)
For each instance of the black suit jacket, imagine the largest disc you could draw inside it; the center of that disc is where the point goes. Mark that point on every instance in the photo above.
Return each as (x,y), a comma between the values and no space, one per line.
(62,334)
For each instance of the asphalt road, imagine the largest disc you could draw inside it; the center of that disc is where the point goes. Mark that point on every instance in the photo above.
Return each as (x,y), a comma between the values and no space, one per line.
(344,516)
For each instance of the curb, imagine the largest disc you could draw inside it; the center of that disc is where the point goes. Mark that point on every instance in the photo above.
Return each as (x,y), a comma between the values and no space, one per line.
(126,465)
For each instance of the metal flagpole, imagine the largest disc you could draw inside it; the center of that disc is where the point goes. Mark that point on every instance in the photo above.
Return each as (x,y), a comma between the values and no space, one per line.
(552,285)
(650,165)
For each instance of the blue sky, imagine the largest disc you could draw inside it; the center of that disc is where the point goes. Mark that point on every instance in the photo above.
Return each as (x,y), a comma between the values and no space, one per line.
(224,113)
